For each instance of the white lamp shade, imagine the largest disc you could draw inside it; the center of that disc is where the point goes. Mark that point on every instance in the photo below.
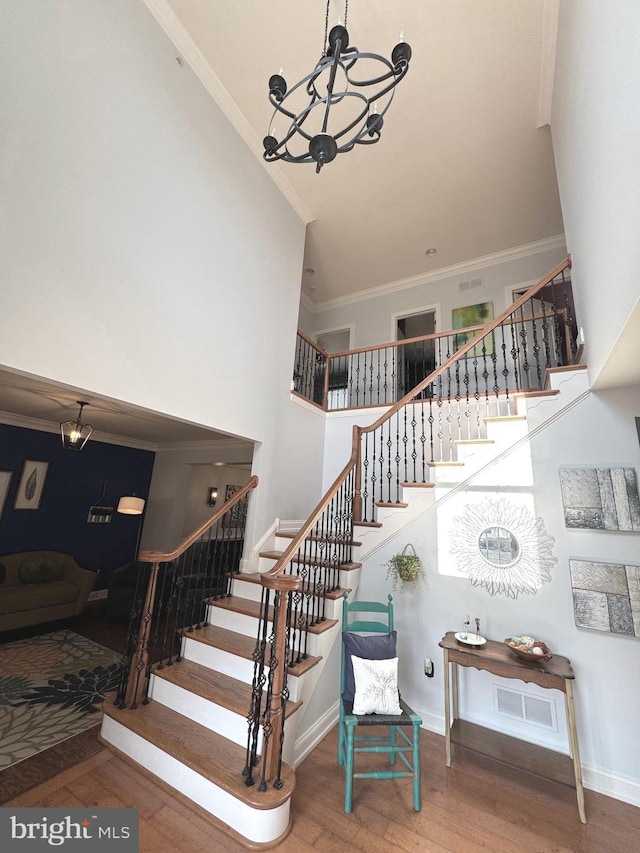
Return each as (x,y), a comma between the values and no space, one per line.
(131,505)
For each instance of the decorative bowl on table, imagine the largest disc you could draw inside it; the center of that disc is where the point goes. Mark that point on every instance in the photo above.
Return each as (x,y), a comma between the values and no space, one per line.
(528,648)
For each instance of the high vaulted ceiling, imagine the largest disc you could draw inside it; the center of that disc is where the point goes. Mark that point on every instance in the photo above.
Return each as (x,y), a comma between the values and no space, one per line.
(462,165)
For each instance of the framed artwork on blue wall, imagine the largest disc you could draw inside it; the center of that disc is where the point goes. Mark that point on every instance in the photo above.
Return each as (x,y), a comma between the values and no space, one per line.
(5,480)
(34,474)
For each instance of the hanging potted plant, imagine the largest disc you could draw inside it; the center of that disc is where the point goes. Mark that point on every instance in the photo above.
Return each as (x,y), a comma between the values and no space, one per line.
(405,568)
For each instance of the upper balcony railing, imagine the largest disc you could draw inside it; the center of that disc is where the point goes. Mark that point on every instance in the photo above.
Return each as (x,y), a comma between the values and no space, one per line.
(514,357)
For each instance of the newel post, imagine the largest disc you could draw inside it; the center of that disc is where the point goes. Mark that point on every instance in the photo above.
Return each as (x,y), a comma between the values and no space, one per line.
(325,384)
(357,486)
(274,717)
(136,686)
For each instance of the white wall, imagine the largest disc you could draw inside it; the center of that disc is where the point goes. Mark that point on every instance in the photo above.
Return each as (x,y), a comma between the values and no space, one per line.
(147,256)
(595,130)
(371,317)
(599,431)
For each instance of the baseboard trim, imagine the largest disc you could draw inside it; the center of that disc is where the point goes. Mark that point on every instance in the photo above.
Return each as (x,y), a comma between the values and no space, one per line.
(312,737)
(615,785)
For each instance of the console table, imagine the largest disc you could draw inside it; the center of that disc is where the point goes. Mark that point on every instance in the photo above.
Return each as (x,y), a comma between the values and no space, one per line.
(494,657)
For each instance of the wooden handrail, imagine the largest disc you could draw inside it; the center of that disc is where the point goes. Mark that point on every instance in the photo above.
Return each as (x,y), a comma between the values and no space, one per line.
(486,330)
(137,683)
(167,556)
(313,343)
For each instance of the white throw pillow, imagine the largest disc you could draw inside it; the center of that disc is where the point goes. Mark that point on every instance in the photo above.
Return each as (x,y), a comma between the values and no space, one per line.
(376,686)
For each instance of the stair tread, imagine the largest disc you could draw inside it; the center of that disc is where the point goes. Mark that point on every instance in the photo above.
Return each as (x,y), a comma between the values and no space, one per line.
(367,524)
(465,441)
(499,418)
(275,555)
(242,645)
(207,753)
(537,392)
(252,608)
(418,485)
(450,464)
(392,504)
(254,577)
(223,690)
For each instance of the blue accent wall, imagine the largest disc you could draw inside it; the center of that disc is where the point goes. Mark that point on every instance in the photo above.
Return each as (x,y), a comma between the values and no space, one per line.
(74,482)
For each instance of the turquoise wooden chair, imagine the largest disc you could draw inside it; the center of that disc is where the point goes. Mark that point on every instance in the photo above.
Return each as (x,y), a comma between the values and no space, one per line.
(401,738)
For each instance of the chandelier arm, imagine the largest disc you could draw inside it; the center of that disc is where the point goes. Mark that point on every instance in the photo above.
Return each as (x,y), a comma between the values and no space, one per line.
(384,91)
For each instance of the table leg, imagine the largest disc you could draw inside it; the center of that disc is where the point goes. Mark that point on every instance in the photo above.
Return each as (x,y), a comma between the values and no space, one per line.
(573,743)
(454,691)
(447,711)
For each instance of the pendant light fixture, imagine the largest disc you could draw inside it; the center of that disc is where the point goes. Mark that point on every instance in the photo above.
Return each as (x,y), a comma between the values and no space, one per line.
(340,104)
(75,434)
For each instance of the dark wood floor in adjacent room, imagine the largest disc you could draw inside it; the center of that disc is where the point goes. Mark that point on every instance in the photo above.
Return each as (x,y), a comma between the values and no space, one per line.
(477,806)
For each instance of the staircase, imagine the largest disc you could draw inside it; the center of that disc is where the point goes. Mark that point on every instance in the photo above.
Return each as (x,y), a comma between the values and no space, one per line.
(194,734)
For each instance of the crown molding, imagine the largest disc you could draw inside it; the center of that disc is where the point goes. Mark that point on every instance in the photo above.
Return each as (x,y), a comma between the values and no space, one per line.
(550,16)
(463,268)
(191,53)
(215,445)
(48,426)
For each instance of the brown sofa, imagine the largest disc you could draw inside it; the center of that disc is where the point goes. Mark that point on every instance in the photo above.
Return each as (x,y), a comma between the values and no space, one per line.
(41,586)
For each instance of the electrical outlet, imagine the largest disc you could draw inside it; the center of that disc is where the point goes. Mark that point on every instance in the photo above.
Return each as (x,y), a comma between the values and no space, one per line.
(428,667)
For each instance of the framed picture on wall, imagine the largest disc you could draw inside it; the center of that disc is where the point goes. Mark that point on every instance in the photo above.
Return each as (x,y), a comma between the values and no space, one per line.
(472,315)
(32,479)
(5,480)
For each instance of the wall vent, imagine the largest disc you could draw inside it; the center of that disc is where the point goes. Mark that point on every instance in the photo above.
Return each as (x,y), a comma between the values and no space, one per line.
(530,709)
(470,285)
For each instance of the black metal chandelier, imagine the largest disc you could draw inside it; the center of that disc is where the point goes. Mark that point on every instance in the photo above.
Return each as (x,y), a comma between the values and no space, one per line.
(347,96)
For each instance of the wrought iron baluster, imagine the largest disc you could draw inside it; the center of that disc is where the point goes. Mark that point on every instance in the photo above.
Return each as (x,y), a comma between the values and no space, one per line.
(505,369)
(257,690)
(467,408)
(515,357)
(365,479)
(536,343)
(494,361)
(545,333)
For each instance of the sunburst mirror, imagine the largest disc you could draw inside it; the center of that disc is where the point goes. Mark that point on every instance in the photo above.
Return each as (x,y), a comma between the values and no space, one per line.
(502,547)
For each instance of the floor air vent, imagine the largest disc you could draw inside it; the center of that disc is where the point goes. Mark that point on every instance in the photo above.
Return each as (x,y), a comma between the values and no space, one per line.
(523,706)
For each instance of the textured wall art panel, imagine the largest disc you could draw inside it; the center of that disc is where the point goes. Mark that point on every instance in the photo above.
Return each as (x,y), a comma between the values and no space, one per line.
(600,498)
(606,596)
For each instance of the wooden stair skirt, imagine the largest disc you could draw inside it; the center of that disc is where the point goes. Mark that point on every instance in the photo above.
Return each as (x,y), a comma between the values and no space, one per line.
(203,768)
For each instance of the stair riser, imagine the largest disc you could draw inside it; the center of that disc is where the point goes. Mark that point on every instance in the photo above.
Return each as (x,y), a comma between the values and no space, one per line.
(252,592)
(208,714)
(261,827)
(242,624)
(229,664)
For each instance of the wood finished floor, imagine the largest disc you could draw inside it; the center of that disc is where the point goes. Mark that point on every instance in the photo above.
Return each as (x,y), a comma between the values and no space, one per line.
(477,805)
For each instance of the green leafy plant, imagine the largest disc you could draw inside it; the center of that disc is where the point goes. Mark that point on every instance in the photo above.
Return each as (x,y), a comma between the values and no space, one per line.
(405,569)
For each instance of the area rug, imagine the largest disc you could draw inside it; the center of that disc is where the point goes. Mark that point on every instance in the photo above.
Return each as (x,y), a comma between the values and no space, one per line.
(51,690)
